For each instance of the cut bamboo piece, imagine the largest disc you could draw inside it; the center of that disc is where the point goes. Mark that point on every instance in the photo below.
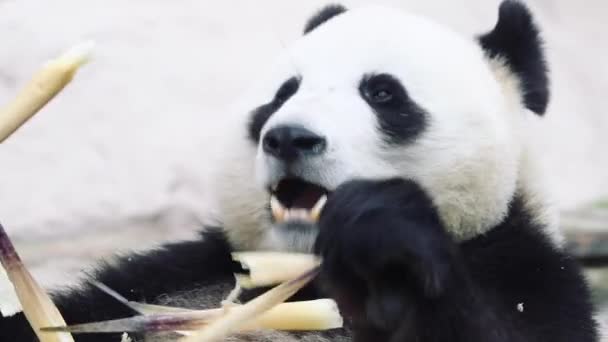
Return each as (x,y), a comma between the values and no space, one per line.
(44,85)
(38,308)
(271,268)
(240,316)
(314,315)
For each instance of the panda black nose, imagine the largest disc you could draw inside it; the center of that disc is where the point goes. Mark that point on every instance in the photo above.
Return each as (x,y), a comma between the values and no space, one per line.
(291,142)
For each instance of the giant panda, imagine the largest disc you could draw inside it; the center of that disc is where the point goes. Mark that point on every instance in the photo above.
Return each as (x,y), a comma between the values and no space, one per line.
(436,225)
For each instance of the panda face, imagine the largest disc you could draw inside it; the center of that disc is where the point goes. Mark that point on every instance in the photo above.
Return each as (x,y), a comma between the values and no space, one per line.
(373,93)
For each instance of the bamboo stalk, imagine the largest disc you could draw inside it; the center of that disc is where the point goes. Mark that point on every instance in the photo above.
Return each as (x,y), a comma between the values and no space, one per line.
(43,86)
(38,307)
(320,314)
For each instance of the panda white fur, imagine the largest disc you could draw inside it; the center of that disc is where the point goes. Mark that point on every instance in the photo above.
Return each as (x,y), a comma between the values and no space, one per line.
(435,228)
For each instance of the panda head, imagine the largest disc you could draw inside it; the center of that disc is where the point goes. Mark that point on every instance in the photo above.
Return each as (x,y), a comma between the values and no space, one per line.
(376,93)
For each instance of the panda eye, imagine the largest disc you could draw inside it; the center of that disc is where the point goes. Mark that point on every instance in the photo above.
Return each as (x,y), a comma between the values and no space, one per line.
(382,96)
(380,89)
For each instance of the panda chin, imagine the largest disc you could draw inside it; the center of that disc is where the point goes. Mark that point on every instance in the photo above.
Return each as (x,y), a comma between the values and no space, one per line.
(294,236)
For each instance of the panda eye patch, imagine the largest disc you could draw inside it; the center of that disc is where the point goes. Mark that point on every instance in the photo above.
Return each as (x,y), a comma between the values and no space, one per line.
(287,90)
(260,115)
(400,119)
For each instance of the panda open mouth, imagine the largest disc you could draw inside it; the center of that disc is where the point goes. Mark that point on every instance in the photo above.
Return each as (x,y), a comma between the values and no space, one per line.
(294,199)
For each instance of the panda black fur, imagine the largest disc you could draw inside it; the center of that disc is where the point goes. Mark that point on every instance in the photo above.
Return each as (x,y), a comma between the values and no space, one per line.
(434,229)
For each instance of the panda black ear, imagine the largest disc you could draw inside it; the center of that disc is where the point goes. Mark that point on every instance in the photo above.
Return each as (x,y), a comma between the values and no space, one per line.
(323,15)
(516,40)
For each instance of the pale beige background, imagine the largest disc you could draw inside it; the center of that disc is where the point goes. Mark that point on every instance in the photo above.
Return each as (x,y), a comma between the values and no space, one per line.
(121,158)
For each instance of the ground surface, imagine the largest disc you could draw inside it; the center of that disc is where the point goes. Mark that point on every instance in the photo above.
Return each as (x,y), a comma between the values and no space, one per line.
(122,159)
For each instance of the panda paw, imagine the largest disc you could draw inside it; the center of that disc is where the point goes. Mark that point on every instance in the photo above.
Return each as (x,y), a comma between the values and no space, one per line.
(384,253)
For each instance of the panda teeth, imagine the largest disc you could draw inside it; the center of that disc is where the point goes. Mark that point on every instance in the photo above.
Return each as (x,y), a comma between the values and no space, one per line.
(298,215)
(279,212)
(282,214)
(315,212)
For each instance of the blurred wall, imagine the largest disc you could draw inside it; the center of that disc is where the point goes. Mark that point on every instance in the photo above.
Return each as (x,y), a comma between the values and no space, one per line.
(130,140)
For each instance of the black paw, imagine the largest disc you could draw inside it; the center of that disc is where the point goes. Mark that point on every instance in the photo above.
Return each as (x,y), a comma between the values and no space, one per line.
(384,252)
